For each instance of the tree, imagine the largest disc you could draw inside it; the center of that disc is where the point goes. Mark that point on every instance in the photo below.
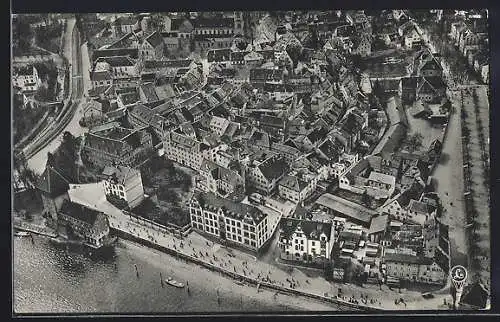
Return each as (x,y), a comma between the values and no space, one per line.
(414,142)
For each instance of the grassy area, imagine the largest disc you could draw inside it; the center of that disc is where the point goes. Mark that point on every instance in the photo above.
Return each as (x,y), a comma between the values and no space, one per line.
(49,37)
(161,214)
(24,118)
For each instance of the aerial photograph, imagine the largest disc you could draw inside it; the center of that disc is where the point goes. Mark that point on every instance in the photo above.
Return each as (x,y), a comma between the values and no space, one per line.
(250,161)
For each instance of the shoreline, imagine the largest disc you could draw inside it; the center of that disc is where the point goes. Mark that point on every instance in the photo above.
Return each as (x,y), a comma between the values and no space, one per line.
(245,279)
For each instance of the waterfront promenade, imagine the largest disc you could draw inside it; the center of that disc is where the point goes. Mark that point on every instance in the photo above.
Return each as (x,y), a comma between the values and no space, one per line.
(233,262)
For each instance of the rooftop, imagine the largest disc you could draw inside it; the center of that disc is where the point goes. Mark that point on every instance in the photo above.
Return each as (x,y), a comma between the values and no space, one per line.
(232,209)
(346,207)
(312,229)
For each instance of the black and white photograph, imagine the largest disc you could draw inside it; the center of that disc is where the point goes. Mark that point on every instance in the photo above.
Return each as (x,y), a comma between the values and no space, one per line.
(217,162)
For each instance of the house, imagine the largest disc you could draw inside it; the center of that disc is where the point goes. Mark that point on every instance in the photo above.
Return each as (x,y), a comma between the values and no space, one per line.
(397,207)
(53,187)
(188,150)
(409,89)
(420,212)
(124,25)
(219,180)
(26,78)
(259,76)
(264,176)
(378,228)
(214,26)
(414,268)
(253,59)
(170,40)
(152,47)
(141,116)
(124,183)
(351,211)
(110,144)
(90,225)
(183,27)
(430,89)
(305,240)
(362,45)
(132,53)
(118,66)
(456,29)
(229,221)
(380,185)
(219,125)
(219,55)
(295,188)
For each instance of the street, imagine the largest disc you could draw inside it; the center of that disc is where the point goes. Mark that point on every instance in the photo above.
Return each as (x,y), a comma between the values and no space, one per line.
(49,140)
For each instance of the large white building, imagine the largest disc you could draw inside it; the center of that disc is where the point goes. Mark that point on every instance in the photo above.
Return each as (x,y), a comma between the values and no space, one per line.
(124,183)
(304,240)
(414,268)
(229,221)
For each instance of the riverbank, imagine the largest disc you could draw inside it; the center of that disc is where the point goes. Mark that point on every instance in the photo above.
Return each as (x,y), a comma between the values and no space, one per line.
(244,278)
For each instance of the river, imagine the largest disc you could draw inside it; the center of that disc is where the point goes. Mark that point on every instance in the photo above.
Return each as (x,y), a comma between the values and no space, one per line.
(50,279)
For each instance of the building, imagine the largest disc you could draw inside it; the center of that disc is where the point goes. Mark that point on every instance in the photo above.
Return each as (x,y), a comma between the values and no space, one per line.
(414,268)
(231,222)
(214,26)
(90,225)
(26,78)
(264,176)
(295,188)
(219,180)
(110,144)
(378,228)
(380,185)
(152,47)
(53,187)
(306,240)
(187,150)
(219,125)
(349,210)
(124,25)
(124,183)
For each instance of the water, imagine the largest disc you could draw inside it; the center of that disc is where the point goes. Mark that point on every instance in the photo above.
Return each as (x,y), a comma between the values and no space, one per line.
(49,279)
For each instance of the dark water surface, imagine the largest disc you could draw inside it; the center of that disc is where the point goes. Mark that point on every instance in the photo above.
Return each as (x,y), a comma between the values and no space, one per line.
(50,279)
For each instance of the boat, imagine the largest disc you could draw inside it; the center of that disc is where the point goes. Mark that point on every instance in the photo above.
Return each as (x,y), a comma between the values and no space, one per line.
(22,234)
(173,282)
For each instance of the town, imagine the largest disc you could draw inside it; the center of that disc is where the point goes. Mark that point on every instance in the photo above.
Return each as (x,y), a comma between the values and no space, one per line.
(351,144)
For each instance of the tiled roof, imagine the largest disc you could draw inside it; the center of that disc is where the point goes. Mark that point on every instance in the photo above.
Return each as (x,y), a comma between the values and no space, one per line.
(312,229)
(52,182)
(101,75)
(117,61)
(378,224)
(213,23)
(346,207)
(147,115)
(121,173)
(236,210)
(148,90)
(420,207)
(405,258)
(273,168)
(218,55)
(294,183)
(175,63)
(263,74)
(414,192)
(155,39)
(79,212)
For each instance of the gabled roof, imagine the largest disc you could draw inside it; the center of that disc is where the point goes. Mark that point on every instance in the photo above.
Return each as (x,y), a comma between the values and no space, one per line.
(219,55)
(420,207)
(121,173)
(378,224)
(79,212)
(273,168)
(405,258)
(213,22)
(236,210)
(312,229)
(293,182)
(414,192)
(346,207)
(175,63)
(155,39)
(52,182)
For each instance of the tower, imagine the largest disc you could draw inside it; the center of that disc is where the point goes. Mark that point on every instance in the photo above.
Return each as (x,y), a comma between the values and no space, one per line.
(238,23)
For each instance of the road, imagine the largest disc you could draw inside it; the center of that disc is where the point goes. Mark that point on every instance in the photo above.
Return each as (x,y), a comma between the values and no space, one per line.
(48,141)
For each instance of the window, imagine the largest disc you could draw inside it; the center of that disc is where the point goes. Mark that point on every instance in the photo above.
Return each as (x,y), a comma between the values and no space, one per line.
(296,247)
(245,226)
(252,229)
(239,231)
(313,243)
(245,234)
(228,221)
(302,248)
(239,239)
(302,242)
